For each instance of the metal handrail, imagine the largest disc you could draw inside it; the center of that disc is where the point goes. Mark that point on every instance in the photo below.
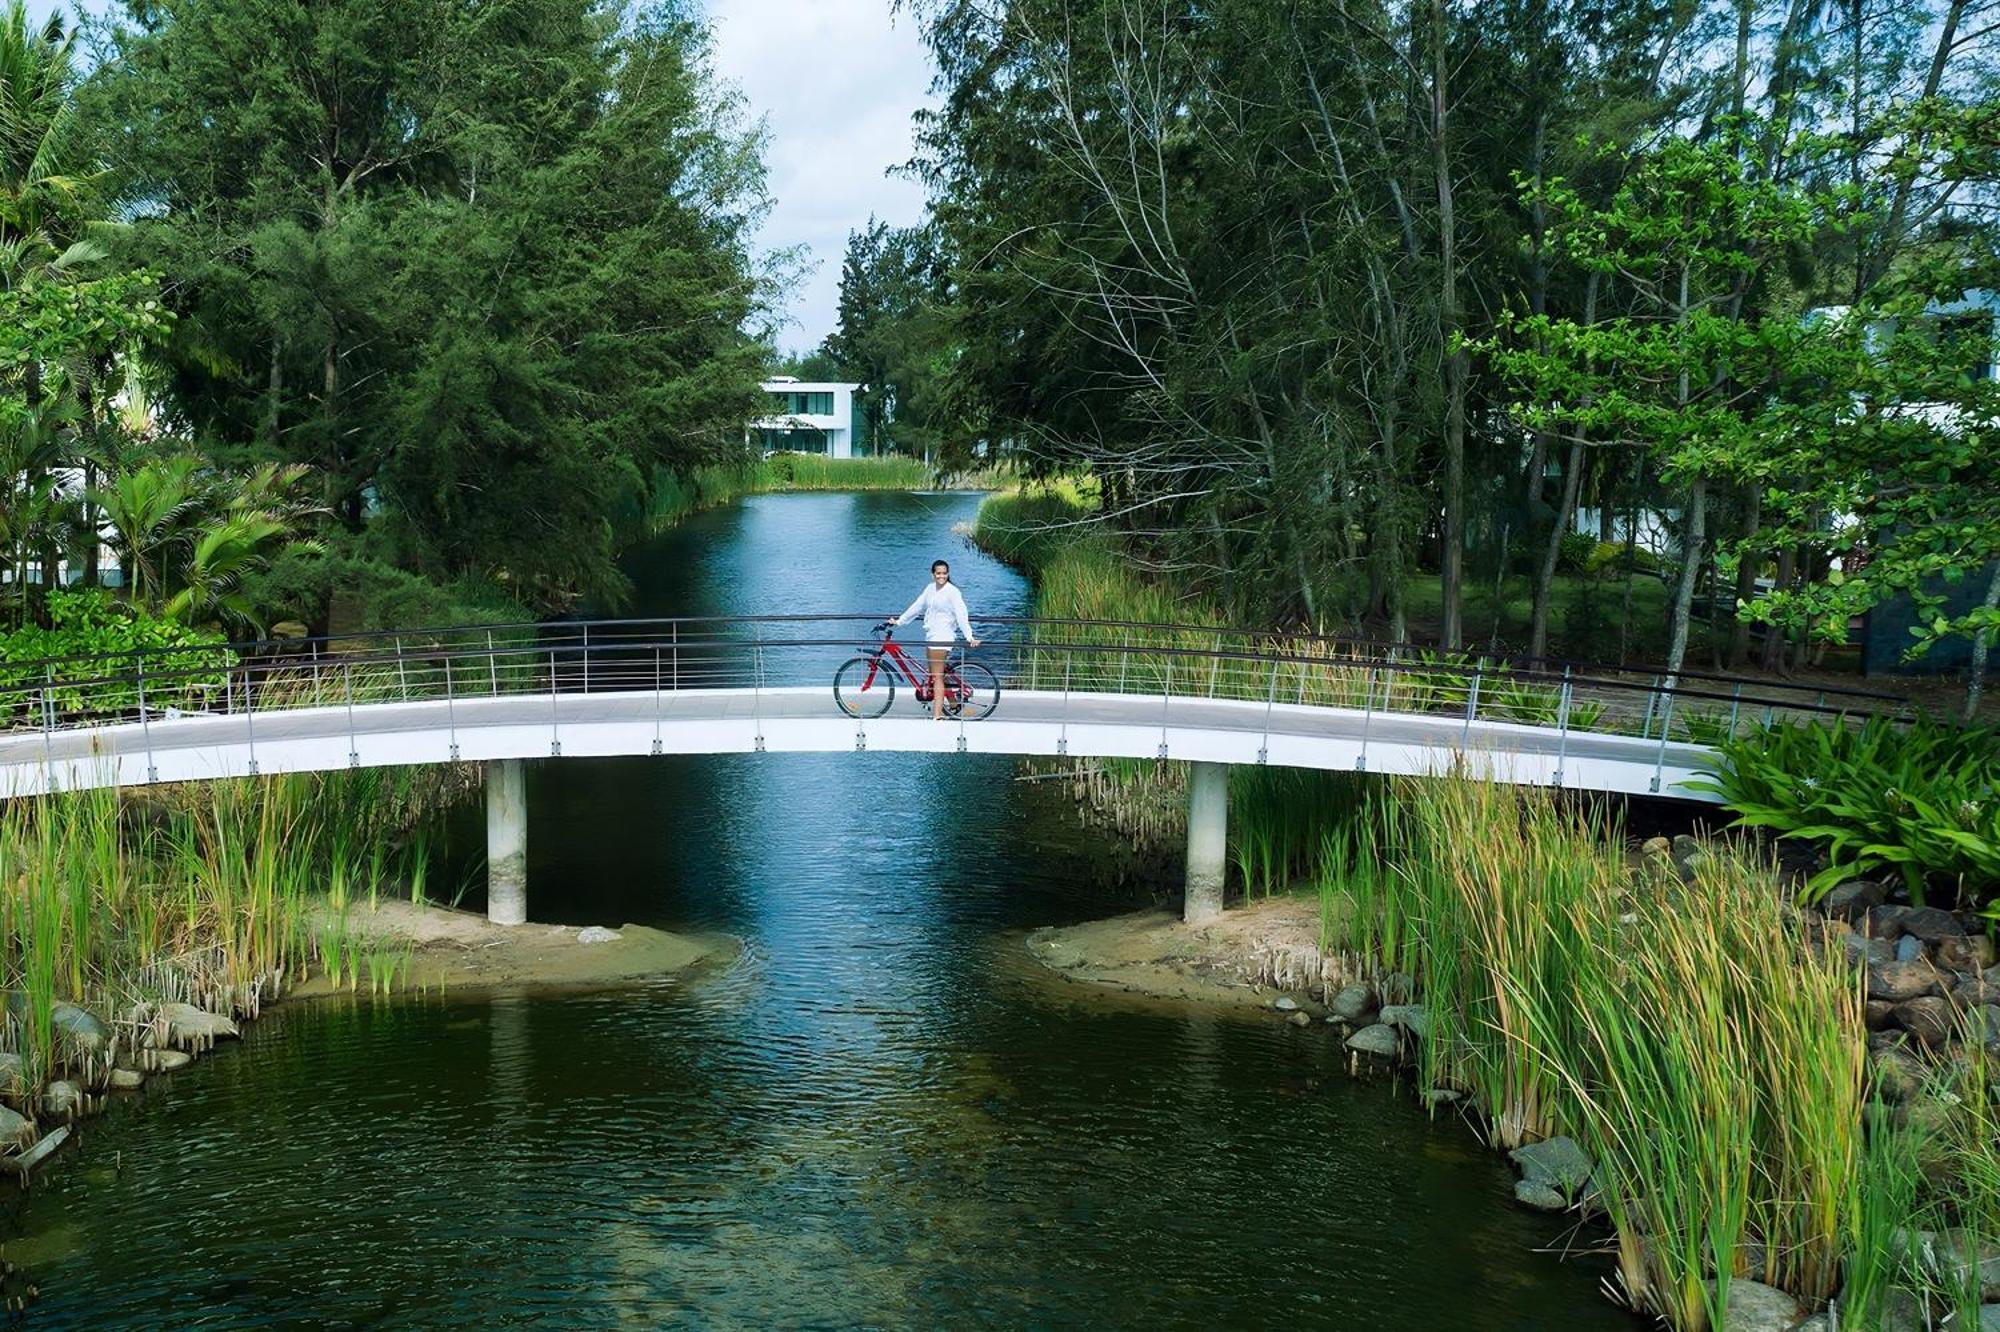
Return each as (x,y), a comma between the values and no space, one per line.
(1396,653)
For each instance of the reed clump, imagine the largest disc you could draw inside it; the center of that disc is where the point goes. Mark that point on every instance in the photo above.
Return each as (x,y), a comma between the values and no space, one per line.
(203,894)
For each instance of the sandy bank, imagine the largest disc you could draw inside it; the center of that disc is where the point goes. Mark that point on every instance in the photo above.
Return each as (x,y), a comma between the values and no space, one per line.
(460,949)
(1231,961)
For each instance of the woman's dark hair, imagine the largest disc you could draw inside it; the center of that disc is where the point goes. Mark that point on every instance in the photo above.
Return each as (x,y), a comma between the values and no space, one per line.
(947,568)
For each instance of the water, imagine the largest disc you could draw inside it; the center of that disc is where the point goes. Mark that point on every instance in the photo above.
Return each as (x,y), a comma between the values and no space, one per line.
(880,1116)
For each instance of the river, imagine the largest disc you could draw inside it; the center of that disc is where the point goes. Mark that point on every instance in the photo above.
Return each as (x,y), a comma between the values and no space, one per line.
(878,1116)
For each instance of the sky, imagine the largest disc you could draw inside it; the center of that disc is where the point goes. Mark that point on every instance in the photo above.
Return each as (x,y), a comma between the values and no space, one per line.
(836,82)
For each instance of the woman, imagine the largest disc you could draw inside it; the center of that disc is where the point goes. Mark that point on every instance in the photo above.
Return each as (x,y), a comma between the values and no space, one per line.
(944,615)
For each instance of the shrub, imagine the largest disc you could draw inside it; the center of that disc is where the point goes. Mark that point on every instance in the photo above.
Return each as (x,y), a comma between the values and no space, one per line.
(1918,798)
(89,623)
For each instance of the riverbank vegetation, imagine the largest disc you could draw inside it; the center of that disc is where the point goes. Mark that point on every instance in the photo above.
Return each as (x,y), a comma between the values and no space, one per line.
(674,496)
(216,895)
(1457,304)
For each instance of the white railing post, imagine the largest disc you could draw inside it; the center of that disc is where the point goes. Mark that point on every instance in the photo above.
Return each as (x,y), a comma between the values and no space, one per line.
(450,710)
(555,711)
(1562,728)
(347,686)
(492,666)
(145,723)
(1666,730)
(402,676)
(657,696)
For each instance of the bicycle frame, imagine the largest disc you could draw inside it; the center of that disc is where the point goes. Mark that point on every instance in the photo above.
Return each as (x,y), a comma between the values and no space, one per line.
(892,656)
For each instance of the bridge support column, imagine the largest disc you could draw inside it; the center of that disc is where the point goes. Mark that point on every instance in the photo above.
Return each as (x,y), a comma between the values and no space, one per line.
(507,842)
(1207,841)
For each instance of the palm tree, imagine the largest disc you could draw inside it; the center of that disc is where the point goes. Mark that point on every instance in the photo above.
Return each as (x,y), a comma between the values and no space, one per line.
(149,507)
(49,176)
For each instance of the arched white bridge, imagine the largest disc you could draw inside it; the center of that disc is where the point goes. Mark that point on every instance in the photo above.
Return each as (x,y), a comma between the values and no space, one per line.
(1210,697)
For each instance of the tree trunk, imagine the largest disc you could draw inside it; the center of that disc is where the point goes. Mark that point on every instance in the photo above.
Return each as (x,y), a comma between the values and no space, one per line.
(1452,568)
(1774,636)
(1692,540)
(1746,576)
(1975,671)
(1545,577)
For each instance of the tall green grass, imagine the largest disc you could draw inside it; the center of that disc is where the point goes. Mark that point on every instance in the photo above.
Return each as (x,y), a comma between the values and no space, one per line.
(201,893)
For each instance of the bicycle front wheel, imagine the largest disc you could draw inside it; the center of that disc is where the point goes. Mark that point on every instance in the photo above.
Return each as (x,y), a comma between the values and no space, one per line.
(971,691)
(864,687)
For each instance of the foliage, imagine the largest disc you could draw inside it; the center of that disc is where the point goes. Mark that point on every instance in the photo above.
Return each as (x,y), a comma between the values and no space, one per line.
(521,283)
(1915,798)
(90,624)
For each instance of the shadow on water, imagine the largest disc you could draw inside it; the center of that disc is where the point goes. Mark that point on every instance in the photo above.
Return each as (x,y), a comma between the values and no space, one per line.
(869,1119)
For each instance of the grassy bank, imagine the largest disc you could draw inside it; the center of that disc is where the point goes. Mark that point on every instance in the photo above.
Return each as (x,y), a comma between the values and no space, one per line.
(219,895)
(675,495)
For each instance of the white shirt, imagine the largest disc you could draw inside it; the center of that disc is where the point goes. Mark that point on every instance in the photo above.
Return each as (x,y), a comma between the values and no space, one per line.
(943,610)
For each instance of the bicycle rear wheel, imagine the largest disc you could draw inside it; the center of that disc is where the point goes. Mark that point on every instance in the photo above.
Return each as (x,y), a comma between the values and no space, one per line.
(864,687)
(971,690)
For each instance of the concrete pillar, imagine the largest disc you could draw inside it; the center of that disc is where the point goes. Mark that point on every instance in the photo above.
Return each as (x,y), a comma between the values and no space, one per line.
(507,842)
(1207,841)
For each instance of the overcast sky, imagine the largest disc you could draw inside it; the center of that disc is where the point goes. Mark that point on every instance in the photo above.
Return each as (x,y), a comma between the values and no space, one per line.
(836,81)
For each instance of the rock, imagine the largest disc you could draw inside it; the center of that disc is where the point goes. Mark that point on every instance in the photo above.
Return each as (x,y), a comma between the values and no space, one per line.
(1929,1019)
(1286,1004)
(1931,923)
(596,934)
(1819,1322)
(61,1100)
(1656,846)
(1413,1018)
(84,1030)
(1879,1014)
(1437,1096)
(1298,1019)
(1909,948)
(1989,1318)
(1352,1003)
(1398,988)
(127,1079)
(1756,1307)
(1686,849)
(1973,991)
(1377,1040)
(1863,951)
(1963,1257)
(13,1078)
(1886,922)
(1556,1162)
(40,1152)
(1964,952)
(1539,1196)
(1900,1075)
(195,1028)
(1852,900)
(166,1061)
(14,1128)
(1897,981)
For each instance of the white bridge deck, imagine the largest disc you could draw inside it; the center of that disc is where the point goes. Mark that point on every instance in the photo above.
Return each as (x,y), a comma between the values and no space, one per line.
(178,748)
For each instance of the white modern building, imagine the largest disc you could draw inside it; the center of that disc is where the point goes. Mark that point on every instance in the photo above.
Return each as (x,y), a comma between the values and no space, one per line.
(811,418)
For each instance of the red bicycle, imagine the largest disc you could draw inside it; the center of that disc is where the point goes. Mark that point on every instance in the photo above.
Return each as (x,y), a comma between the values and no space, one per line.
(865,686)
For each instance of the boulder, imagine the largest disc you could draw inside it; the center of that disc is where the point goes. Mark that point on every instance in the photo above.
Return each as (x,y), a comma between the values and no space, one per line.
(1413,1018)
(1886,922)
(61,1100)
(1909,948)
(596,934)
(1286,1004)
(1989,1318)
(84,1030)
(1879,1014)
(1686,848)
(1897,981)
(40,1152)
(1899,1073)
(1556,1162)
(1656,846)
(1299,1019)
(1756,1307)
(15,1130)
(1863,951)
(1853,899)
(1964,952)
(166,1061)
(1928,1018)
(1352,1004)
(127,1079)
(1819,1322)
(1931,923)
(1379,1040)
(1539,1196)
(1973,991)
(195,1028)
(1963,1257)
(13,1078)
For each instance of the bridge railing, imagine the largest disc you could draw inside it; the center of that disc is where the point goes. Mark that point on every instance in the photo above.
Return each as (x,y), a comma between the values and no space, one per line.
(786,653)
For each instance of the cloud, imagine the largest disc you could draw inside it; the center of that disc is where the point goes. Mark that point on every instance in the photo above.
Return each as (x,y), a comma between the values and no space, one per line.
(837,81)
